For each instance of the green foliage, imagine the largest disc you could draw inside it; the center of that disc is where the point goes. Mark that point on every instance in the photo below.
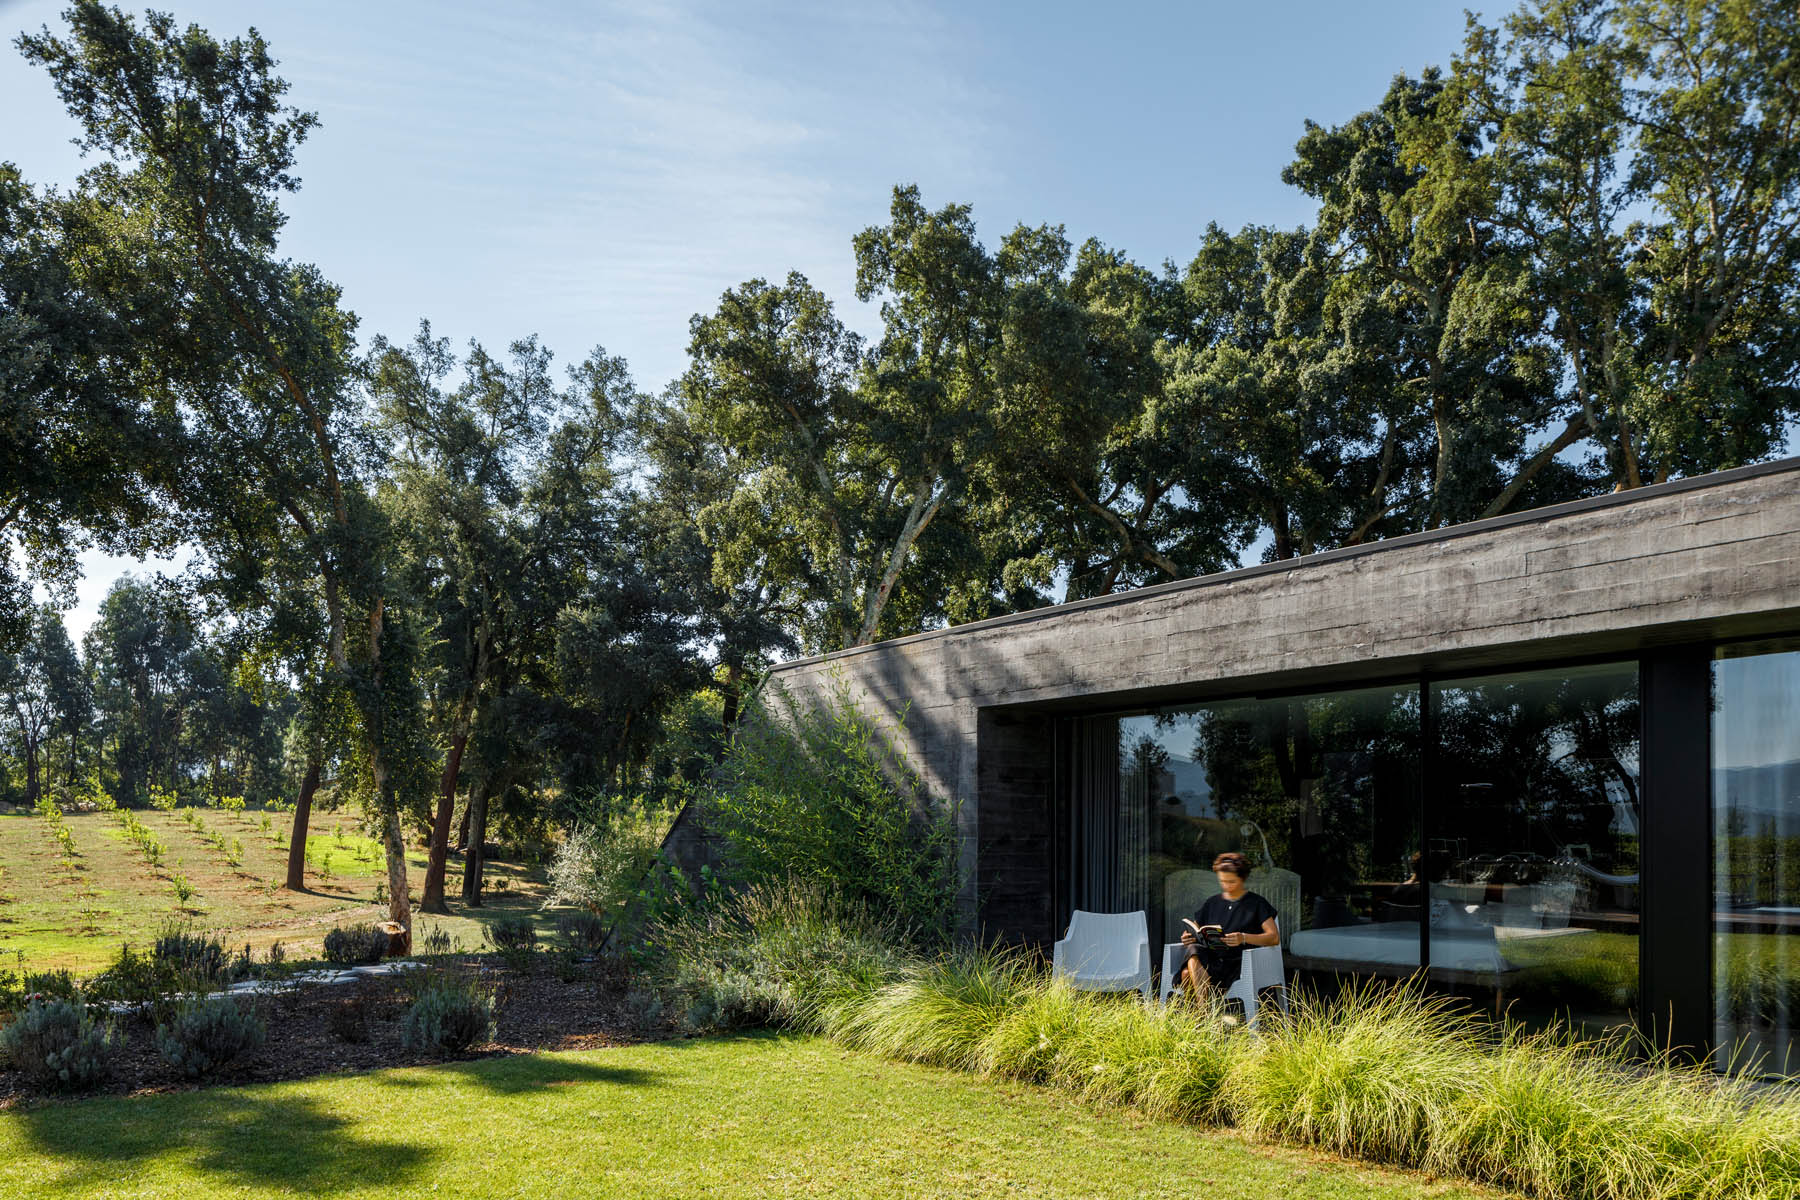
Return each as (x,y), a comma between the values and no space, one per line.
(166,800)
(53,985)
(450,1013)
(512,933)
(56,1045)
(232,804)
(354,944)
(820,795)
(184,891)
(602,861)
(771,954)
(437,941)
(207,1033)
(582,932)
(193,954)
(515,939)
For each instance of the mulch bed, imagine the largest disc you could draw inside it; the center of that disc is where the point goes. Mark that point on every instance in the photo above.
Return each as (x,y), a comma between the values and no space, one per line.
(315,1031)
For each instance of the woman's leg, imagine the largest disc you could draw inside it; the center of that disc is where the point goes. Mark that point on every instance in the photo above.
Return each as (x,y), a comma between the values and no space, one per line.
(1195,978)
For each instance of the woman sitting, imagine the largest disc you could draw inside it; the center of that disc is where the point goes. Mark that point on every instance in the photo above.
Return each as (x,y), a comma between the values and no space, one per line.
(1246,919)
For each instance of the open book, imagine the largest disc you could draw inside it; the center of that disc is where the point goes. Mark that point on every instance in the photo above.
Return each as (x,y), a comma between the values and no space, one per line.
(1206,935)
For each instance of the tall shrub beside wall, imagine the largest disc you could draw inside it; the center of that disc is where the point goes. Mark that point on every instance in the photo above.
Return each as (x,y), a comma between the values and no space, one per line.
(819,794)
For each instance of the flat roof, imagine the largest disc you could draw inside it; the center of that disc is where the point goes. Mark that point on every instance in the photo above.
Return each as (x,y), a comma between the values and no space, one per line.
(1528,516)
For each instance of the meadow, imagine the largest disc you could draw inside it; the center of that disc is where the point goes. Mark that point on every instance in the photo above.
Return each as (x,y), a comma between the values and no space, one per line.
(69,903)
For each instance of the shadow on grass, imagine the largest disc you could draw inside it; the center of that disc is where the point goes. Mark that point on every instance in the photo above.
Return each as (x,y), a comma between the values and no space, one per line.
(514,1074)
(230,1136)
(272,1137)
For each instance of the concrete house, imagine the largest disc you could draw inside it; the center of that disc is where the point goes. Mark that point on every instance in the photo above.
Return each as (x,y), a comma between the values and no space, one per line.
(1551,758)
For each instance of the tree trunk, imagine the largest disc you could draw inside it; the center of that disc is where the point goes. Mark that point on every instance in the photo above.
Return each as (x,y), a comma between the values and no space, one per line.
(399,902)
(31,773)
(296,876)
(432,899)
(472,861)
(462,831)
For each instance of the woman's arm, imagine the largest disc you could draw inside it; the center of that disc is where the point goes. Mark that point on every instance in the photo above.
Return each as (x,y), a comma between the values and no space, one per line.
(1268,937)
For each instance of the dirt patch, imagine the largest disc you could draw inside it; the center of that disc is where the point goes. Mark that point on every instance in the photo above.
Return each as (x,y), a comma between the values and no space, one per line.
(356,1027)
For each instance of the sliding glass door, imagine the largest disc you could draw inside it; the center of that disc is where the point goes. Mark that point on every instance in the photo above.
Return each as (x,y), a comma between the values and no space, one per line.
(1320,792)
(1533,822)
(1756,858)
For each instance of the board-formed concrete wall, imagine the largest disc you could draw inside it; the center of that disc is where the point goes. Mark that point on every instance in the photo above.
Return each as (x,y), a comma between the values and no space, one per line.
(1712,557)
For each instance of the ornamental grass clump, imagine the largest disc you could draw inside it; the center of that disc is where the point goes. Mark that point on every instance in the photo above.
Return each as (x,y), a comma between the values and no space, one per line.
(1377,1072)
(941,1011)
(1564,1117)
(449,1013)
(1171,1062)
(57,1046)
(207,1033)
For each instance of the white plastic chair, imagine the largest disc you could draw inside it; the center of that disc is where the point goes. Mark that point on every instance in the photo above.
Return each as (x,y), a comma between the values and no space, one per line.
(1263,968)
(1105,952)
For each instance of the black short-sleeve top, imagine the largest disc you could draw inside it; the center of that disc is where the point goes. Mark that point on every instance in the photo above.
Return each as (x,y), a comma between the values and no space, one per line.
(1246,914)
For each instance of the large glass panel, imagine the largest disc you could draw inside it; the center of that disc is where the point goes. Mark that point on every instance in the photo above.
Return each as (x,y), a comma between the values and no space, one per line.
(1756,857)
(1320,792)
(1533,842)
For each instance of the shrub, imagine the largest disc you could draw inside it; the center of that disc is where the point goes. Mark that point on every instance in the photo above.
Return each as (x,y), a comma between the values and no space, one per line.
(821,795)
(349,945)
(773,954)
(192,954)
(516,940)
(348,1019)
(583,932)
(599,865)
(437,941)
(207,1033)
(449,1013)
(178,883)
(53,985)
(55,1044)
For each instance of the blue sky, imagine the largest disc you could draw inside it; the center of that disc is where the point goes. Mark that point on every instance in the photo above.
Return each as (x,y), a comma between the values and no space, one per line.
(598,173)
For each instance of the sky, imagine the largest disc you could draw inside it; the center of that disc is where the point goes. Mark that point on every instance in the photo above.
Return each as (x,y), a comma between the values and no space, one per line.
(598,173)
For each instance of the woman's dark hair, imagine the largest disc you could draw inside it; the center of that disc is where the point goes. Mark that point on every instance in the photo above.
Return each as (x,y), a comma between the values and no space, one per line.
(1234,862)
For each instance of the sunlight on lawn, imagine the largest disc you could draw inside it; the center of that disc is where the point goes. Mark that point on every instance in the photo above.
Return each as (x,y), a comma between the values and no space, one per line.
(746,1116)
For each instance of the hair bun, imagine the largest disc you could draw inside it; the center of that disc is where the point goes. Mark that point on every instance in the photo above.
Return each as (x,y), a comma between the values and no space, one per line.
(1234,862)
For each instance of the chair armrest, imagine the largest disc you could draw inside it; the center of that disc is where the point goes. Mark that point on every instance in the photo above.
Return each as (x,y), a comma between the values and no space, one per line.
(1056,957)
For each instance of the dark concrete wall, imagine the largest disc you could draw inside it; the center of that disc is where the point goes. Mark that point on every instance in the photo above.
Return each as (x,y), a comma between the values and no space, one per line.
(1716,556)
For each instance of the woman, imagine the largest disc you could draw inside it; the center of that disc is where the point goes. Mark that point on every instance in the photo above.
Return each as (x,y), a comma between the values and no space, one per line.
(1246,918)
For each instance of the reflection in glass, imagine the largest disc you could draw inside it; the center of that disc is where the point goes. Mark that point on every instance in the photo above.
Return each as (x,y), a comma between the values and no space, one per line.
(1756,857)
(1533,826)
(1321,792)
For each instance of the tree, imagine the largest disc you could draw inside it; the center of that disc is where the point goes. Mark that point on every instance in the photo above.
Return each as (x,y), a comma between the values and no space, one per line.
(41,688)
(80,461)
(185,218)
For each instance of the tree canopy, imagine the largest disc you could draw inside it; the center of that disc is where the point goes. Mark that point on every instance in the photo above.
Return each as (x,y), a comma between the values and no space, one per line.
(431,581)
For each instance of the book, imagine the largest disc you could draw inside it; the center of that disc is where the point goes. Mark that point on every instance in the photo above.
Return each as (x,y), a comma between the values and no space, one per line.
(1206,935)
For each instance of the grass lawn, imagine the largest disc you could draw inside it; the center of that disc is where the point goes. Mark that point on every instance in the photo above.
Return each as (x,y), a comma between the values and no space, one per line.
(76,919)
(749,1116)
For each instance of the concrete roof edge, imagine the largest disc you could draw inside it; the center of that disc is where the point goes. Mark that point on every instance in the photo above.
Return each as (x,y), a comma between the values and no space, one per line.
(1528,516)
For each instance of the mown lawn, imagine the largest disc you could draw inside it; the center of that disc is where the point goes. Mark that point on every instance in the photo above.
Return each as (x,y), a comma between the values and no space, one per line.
(77,919)
(750,1116)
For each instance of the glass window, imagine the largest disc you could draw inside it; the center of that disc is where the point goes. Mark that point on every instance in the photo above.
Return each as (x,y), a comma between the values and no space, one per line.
(1756,857)
(1532,826)
(1320,792)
